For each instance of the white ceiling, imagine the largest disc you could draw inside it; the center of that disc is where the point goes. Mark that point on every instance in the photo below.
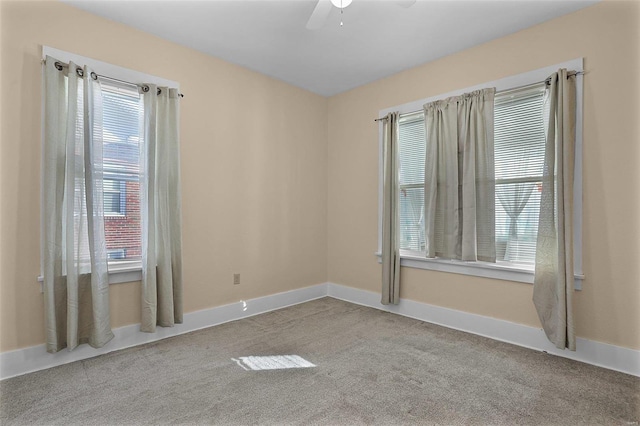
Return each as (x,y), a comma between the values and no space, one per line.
(379,38)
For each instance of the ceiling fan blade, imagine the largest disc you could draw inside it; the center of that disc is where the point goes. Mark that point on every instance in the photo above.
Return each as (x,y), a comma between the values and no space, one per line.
(405,3)
(319,15)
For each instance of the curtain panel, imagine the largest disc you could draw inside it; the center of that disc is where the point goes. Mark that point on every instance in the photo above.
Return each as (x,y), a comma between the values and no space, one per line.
(76,286)
(160,211)
(459,191)
(390,206)
(553,280)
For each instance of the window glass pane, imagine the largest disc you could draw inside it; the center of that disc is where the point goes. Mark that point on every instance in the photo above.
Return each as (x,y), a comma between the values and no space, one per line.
(112,201)
(412,218)
(411,147)
(519,159)
(411,150)
(519,135)
(122,115)
(516,236)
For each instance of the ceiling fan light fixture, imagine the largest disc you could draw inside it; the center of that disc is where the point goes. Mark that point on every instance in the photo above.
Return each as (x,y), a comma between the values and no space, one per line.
(341,4)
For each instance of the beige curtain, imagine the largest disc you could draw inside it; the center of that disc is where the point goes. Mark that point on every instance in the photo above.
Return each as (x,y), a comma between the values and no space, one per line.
(553,282)
(390,221)
(460,177)
(76,282)
(160,211)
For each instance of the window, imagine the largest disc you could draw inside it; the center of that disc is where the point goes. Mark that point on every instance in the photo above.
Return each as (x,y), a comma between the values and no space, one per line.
(411,149)
(122,113)
(114,197)
(519,133)
(117,254)
(122,123)
(519,158)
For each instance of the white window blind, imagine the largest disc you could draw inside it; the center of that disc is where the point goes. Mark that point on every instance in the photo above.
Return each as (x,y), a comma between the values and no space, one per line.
(122,118)
(412,146)
(519,157)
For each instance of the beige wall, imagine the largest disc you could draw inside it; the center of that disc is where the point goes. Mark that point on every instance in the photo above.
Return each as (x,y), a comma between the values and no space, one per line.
(606,35)
(254,168)
(263,196)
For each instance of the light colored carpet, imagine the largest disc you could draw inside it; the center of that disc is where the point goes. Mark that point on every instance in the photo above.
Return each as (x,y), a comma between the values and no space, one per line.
(372,367)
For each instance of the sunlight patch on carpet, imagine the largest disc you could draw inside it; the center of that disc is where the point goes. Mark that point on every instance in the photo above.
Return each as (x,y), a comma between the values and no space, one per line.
(274,362)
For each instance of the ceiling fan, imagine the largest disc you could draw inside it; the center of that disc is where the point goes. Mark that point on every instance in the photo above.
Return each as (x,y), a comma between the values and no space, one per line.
(323,8)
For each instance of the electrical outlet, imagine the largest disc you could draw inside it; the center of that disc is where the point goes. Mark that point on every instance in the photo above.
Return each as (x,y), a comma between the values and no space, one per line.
(236,279)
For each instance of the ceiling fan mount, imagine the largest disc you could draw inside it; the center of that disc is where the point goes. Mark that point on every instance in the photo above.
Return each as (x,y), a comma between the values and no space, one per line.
(341,4)
(323,8)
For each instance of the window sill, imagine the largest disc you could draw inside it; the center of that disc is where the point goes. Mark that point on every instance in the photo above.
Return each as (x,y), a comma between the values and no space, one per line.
(125,272)
(122,272)
(479,269)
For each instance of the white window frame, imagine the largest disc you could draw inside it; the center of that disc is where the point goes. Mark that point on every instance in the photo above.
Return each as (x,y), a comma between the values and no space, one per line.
(484,269)
(125,271)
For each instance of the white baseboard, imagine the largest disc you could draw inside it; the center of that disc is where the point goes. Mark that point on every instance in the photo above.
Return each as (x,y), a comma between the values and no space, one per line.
(591,352)
(34,358)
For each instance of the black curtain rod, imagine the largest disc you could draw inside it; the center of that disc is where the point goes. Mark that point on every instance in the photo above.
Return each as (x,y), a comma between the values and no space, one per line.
(545,81)
(60,66)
